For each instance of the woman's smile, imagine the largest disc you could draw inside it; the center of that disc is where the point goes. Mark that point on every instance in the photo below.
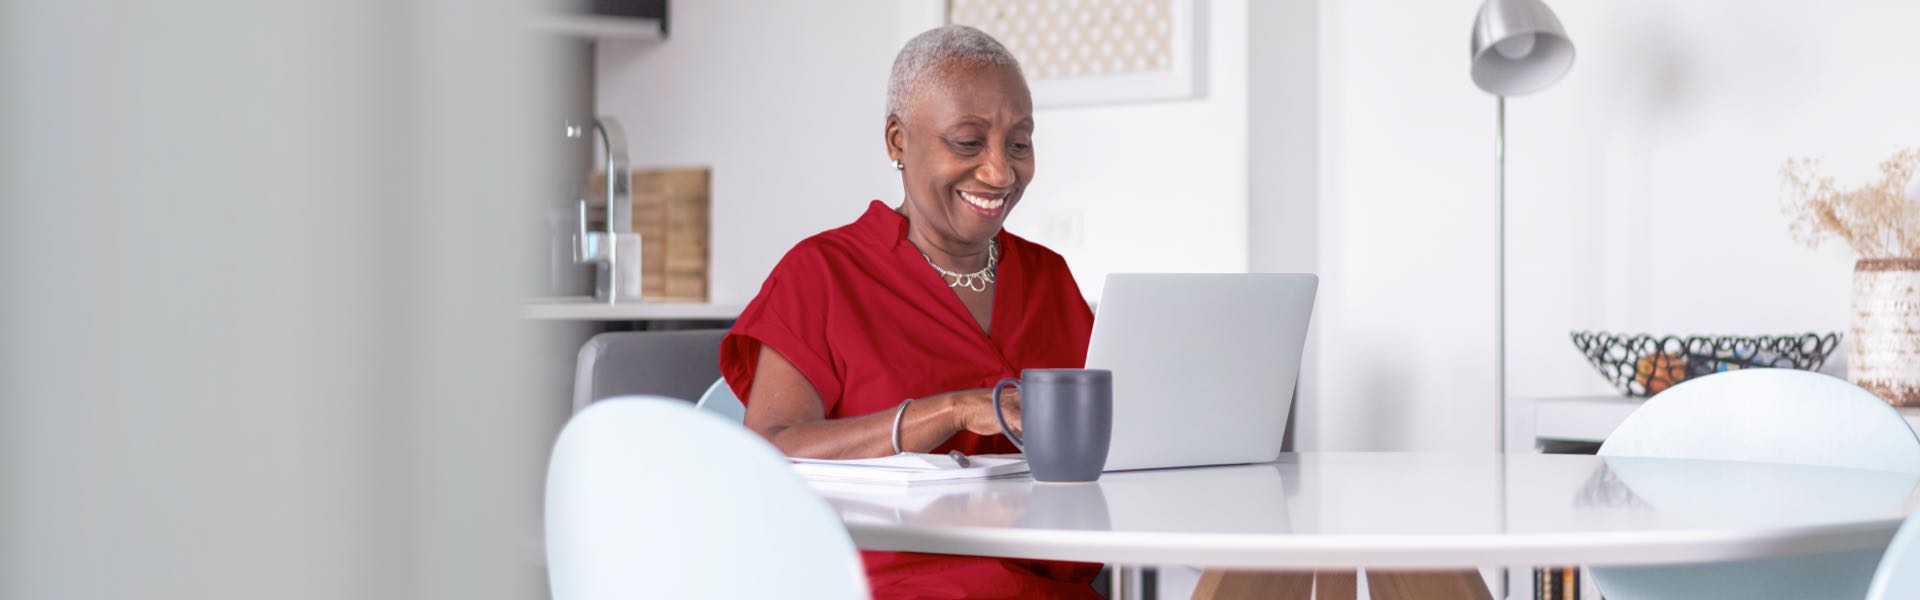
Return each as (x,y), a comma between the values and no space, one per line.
(989,205)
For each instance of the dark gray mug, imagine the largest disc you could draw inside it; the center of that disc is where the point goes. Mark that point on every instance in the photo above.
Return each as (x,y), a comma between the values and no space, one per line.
(1067,415)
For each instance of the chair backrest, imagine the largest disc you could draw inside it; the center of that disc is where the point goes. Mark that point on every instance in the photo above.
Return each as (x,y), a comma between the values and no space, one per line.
(675,364)
(649,498)
(720,400)
(1770,415)
(1899,574)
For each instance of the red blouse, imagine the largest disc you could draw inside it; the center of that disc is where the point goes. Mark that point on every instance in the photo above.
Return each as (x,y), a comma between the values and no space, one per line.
(858,311)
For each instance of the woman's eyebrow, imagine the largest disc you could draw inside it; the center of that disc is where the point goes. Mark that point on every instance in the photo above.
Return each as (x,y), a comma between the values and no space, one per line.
(1026,123)
(970,120)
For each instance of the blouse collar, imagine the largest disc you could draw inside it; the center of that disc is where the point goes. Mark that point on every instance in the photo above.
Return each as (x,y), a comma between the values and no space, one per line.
(882,225)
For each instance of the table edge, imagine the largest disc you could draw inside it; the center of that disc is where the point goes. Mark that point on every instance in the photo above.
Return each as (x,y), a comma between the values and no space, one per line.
(1285,551)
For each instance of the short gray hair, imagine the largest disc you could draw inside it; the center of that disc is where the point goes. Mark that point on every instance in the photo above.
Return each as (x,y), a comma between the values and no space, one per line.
(926,53)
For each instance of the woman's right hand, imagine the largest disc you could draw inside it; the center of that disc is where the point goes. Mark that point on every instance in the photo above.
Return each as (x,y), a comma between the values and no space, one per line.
(973,410)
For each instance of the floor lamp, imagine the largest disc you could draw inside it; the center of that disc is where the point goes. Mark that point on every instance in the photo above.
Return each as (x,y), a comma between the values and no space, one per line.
(1519,48)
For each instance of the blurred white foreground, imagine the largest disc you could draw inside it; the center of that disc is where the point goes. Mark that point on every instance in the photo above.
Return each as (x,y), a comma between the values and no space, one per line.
(257,271)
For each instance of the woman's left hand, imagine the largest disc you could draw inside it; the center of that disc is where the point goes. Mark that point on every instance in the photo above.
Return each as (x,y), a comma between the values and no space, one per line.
(973,410)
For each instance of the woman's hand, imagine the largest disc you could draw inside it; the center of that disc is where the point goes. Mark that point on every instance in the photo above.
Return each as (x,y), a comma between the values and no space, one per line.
(973,410)
(784,408)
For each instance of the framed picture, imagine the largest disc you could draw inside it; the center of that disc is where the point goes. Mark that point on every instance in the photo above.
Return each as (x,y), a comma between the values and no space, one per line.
(1080,52)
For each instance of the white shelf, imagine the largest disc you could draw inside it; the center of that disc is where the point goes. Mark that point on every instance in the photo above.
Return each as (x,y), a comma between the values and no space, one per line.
(1581,418)
(601,28)
(1593,418)
(580,308)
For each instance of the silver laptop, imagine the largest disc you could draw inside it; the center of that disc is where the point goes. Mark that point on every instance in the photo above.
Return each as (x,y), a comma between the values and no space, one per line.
(1203,365)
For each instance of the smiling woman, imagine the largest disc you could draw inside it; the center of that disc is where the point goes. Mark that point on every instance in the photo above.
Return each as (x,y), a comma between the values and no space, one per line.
(960,129)
(883,336)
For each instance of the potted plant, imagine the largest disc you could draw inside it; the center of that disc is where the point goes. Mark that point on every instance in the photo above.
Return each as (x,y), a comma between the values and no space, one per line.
(1881,222)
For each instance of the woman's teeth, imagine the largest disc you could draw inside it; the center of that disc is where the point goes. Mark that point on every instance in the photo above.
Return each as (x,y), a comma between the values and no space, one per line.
(984,203)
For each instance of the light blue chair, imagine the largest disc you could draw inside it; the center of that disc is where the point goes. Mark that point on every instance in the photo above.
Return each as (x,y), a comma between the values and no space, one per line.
(719,400)
(630,513)
(1770,416)
(1898,577)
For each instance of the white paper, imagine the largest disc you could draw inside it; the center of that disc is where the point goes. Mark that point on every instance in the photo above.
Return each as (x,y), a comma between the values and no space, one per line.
(909,468)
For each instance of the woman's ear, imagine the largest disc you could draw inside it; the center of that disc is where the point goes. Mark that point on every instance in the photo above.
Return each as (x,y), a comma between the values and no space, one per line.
(896,138)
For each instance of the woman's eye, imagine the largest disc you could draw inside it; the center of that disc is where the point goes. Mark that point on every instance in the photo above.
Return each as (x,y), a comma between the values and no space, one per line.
(1020,148)
(969,145)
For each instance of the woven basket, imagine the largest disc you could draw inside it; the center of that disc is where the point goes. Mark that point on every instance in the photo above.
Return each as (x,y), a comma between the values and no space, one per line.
(1885,353)
(1643,365)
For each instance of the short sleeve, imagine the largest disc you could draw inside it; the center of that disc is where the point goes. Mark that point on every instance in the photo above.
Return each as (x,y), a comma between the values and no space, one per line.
(789,315)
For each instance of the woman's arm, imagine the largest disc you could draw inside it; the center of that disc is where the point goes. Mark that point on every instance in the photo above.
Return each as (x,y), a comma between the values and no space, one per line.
(783,407)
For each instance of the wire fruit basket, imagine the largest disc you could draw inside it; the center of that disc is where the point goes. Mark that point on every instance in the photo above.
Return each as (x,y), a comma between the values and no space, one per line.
(1642,365)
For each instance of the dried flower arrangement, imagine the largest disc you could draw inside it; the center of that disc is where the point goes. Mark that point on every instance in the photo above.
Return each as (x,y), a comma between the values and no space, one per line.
(1878,220)
(1881,222)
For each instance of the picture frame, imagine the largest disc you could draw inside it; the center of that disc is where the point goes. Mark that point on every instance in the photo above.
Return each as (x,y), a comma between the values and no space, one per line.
(1094,52)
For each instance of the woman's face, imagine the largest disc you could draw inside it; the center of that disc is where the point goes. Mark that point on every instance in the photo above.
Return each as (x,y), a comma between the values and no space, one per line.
(967,149)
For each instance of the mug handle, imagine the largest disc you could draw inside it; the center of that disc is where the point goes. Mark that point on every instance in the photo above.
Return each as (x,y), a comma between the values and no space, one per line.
(998,413)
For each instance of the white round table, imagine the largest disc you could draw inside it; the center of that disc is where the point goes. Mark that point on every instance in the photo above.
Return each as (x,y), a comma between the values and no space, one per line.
(1406,510)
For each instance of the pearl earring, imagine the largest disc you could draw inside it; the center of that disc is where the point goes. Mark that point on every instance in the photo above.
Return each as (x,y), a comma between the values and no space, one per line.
(899,167)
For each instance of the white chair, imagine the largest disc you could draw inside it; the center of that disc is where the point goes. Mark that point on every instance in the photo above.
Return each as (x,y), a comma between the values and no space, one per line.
(1898,577)
(1771,416)
(720,400)
(649,498)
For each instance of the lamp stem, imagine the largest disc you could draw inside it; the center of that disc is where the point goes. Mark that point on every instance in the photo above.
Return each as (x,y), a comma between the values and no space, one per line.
(1500,313)
(1500,277)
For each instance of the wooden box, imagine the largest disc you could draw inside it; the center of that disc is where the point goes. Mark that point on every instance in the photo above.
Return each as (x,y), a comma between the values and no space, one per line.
(671,212)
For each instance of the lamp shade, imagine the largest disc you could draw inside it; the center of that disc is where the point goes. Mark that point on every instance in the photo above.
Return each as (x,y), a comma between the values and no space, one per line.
(1519,47)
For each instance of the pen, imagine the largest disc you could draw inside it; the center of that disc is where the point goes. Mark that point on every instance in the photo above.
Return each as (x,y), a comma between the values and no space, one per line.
(959,458)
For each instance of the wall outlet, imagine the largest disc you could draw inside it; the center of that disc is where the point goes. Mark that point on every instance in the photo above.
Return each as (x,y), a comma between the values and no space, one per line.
(1062,228)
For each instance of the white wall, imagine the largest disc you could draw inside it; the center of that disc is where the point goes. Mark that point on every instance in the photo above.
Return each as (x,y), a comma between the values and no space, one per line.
(1283,158)
(785,102)
(1642,195)
(1159,186)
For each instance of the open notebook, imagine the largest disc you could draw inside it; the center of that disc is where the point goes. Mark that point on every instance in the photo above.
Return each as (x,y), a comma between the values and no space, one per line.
(909,468)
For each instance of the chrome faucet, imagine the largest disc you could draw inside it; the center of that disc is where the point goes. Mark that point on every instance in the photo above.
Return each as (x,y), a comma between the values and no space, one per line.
(615,252)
